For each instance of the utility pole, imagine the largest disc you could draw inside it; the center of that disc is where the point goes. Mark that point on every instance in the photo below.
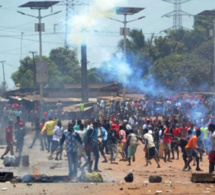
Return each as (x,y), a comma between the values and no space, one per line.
(69,9)
(125,11)
(34,69)
(84,83)
(21,45)
(4,82)
(177,13)
(40,27)
(70,12)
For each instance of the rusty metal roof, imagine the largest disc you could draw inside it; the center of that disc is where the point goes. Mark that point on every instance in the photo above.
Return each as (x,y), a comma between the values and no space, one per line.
(33,98)
(92,86)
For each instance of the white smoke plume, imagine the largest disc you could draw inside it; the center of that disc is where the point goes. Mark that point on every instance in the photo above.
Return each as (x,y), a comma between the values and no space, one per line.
(90,18)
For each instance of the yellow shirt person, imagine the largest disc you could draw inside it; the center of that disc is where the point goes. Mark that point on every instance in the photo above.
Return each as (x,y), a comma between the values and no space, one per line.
(49,126)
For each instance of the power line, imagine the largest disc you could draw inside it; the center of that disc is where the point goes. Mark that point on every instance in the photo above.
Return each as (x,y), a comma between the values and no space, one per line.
(177,13)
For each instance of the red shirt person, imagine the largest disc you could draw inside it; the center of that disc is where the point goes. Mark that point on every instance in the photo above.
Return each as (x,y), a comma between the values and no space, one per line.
(9,139)
(167,141)
(183,131)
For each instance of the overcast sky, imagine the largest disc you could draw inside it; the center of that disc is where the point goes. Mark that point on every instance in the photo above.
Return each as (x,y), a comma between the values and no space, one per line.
(102,39)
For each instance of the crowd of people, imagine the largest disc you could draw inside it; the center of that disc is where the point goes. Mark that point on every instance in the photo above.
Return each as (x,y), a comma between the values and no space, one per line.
(116,128)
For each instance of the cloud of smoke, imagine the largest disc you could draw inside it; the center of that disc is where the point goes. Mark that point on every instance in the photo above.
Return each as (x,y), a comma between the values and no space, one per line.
(90,18)
(117,70)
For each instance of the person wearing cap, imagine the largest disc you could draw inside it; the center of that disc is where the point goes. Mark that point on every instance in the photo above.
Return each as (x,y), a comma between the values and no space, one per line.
(20,135)
(9,139)
(150,147)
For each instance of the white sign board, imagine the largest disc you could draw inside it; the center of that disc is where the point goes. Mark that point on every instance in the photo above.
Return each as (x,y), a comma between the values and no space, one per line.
(41,71)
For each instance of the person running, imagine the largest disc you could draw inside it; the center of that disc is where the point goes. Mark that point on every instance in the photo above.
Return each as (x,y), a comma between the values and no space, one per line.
(132,142)
(182,142)
(9,139)
(191,150)
(122,137)
(150,146)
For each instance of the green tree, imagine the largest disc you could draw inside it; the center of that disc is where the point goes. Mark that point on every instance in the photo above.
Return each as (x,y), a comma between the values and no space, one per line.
(24,76)
(180,72)
(63,68)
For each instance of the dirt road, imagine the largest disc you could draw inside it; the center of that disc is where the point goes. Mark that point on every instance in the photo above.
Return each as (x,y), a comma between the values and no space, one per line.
(175,181)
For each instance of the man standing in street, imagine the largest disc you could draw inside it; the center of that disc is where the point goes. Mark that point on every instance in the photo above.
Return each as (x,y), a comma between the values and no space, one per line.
(72,138)
(96,146)
(37,135)
(103,135)
(167,141)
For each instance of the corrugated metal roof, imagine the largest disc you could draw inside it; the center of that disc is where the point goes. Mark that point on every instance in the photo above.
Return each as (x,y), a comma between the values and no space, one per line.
(33,98)
(3,99)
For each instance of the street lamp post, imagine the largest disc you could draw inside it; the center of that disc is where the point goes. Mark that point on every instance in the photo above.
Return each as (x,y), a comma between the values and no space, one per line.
(125,31)
(4,81)
(40,5)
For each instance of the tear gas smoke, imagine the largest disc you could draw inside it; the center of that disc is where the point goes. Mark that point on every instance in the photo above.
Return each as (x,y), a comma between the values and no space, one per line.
(118,70)
(90,18)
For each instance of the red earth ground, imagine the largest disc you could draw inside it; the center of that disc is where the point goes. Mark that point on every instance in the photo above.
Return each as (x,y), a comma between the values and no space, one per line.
(175,181)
